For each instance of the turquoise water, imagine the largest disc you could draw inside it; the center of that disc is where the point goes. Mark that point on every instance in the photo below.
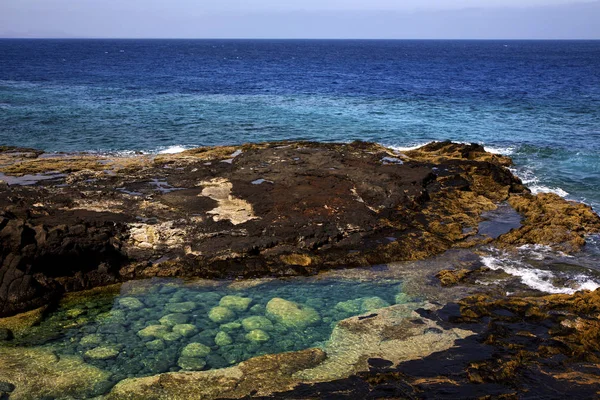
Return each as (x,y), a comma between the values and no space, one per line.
(160,326)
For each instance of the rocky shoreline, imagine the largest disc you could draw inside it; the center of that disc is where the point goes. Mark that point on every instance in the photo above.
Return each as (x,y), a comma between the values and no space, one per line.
(74,222)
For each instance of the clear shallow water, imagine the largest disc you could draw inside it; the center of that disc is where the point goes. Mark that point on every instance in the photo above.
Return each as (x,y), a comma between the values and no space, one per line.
(160,326)
(537,100)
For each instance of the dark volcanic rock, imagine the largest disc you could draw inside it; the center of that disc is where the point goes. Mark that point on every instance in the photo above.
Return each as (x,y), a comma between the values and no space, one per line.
(270,209)
(41,260)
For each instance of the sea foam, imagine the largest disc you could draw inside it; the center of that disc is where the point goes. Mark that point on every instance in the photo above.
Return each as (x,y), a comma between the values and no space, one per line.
(173,150)
(536,278)
(407,148)
(535,189)
(505,151)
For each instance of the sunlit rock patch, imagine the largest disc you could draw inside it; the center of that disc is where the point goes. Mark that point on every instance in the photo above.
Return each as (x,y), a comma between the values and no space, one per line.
(229,208)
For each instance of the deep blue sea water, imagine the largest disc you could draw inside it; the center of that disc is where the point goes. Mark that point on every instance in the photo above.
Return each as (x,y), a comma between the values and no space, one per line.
(538,101)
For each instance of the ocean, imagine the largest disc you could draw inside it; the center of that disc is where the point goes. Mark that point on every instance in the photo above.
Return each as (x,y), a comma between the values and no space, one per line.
(537,101)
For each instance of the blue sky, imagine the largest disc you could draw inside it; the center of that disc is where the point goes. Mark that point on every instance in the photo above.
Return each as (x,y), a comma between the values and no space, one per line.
(408,19)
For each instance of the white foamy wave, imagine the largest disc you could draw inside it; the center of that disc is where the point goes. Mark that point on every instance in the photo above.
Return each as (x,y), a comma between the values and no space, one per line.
(535,189)
(505,151)
(536,251)
(495,150)
(540,252)
(536,278)
(530,180)
(527,176)
(125,153)
(586,284)
(173,150)
(407,148)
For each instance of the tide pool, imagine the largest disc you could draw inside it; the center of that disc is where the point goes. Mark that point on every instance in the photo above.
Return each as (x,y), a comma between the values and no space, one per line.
(159,326)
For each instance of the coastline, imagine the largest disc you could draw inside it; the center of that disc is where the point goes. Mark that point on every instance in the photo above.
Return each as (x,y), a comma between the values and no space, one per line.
(78,222)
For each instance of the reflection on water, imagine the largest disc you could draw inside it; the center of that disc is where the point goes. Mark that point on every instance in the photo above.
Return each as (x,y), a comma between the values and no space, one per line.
(159,326)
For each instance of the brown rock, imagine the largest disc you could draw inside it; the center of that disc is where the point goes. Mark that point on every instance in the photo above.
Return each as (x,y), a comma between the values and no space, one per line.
(452,277)
(553,221)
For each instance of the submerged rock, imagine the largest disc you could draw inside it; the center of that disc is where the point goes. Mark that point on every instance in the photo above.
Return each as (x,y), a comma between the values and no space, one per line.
(258,335)
(185,329)
(171,336)
(257,322)
(231,326)
(91,340)
(349,306)
(174,319)
(36,373)
(191,363)
(195,350)
(292,314)
(102,353)
(361,305)
(221,315)
(74,312)
(223,339)
(22,323)
(402,298)
(235,303)
(155,345)
(131,303)
(373,303)
(153,331)
(113,316)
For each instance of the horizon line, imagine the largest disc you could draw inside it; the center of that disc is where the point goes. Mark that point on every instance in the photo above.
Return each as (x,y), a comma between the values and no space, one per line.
(288,38)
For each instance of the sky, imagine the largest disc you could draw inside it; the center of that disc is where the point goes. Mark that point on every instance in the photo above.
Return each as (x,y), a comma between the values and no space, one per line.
(339,19)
